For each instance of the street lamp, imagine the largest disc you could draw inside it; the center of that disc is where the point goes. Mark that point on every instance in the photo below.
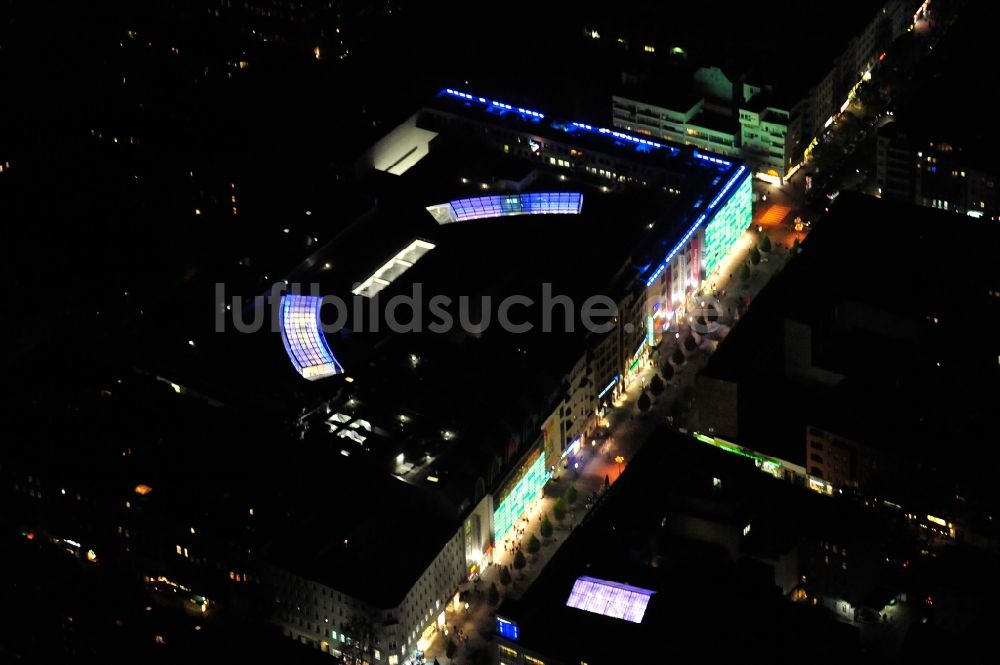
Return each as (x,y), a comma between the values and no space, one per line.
(620,461)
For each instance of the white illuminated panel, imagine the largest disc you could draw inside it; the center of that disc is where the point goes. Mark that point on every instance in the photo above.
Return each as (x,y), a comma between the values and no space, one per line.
(610,599)
(393,268)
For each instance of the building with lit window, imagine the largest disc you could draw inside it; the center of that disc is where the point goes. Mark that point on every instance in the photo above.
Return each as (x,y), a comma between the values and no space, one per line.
(471,186)
(941,173)
(880,396)
(706,206)
(757,133)
(406,457)
(643,578)
(765,112)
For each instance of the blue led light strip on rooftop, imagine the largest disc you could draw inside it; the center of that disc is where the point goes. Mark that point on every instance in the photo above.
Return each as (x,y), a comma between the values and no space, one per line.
(492,103)
(484,207)
(713,159)
(302,335)
(639,142)
(694,227)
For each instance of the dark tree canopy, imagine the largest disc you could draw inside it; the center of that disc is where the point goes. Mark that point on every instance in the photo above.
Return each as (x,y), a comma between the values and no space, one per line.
(546,528)
(493,597)
(559,510)
(678,357)
(570,495)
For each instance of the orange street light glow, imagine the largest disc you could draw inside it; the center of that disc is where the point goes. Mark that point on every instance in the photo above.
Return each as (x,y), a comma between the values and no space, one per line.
(773,215)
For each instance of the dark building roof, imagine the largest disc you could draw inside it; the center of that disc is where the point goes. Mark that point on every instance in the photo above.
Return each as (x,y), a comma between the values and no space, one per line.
(930,115)
(700,597)
(248,432)
(674,92)
(792,45)
(897,298)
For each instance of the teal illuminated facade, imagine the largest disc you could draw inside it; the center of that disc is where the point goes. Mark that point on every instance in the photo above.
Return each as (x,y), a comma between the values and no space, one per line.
(523,488)
(728,224)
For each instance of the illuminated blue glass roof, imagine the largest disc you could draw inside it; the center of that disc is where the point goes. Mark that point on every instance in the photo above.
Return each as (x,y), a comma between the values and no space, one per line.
(302,335)
(610,599)
(483,207)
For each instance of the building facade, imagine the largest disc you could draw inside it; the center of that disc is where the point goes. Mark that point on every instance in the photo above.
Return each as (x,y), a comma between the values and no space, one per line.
(742,116)
(320,616)
(757,133)
(934,175)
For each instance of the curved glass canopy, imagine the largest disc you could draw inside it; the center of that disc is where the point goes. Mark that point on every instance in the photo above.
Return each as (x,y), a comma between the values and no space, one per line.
(302,335)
